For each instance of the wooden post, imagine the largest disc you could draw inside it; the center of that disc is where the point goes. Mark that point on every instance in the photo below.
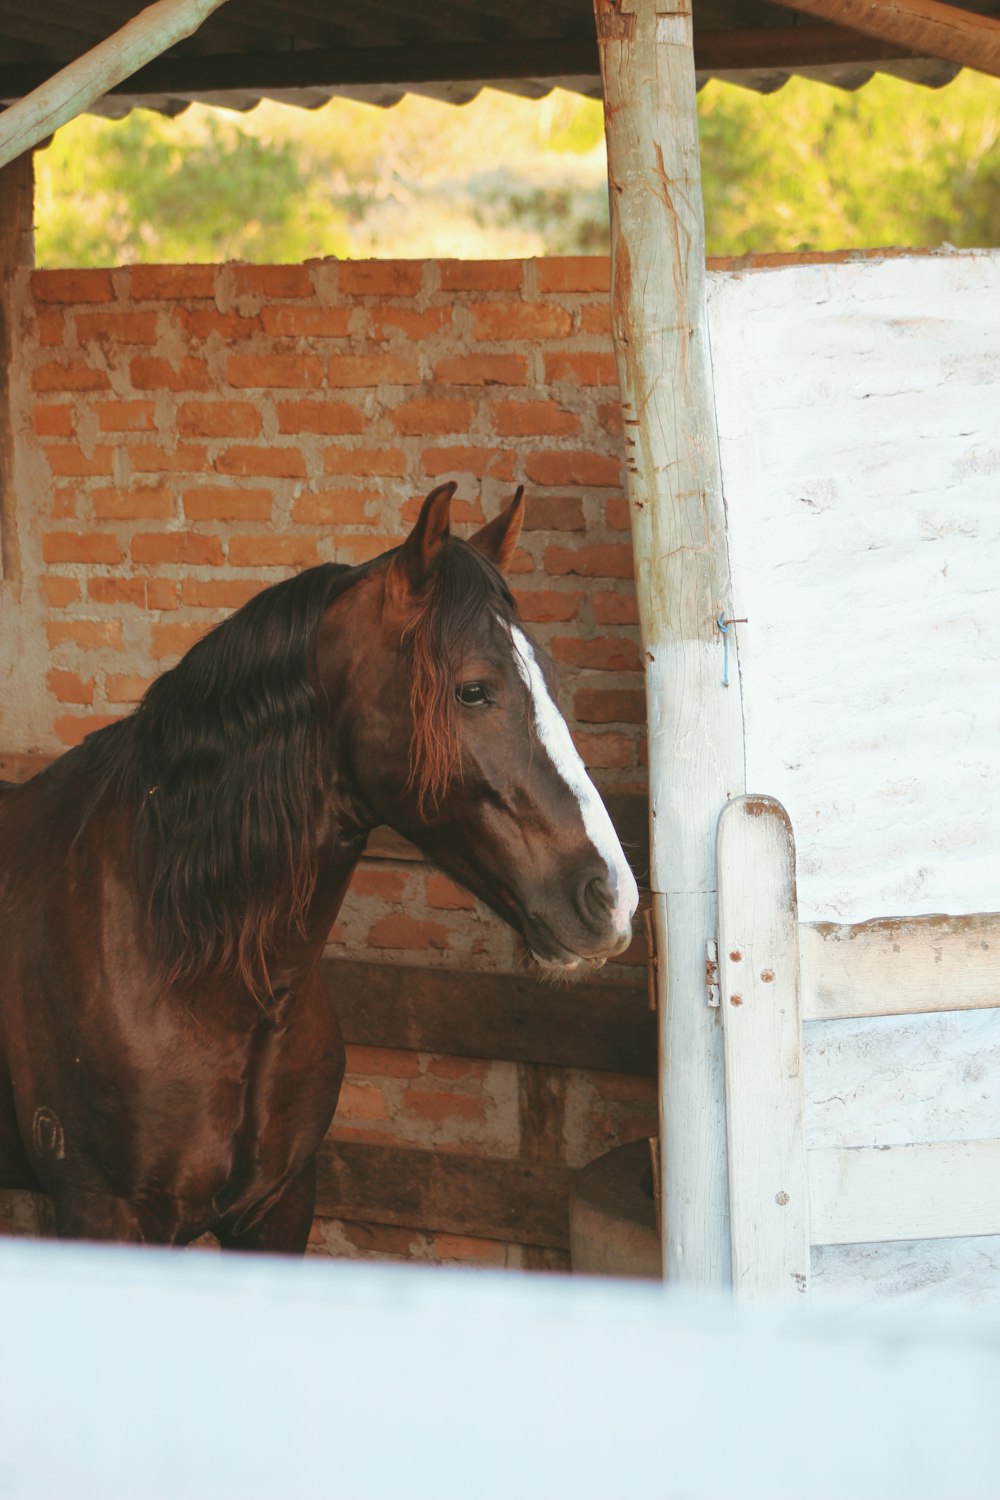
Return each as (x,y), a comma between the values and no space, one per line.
(74,88)
(682,580)
(17,251)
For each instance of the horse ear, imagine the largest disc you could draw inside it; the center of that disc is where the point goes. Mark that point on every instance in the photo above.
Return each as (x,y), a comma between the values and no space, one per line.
(498,538)
(416,556)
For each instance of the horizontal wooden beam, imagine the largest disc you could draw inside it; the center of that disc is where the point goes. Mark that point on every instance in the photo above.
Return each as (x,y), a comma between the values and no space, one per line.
(739,50)
(597,1023)
(867,1194)
(524,1202)
(895,966)
(926,28)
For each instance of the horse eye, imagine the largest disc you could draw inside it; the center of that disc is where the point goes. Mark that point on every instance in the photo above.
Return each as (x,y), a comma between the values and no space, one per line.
(472,694)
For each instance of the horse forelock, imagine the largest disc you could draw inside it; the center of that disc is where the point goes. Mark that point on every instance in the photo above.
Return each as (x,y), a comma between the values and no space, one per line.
(464,593)
(221,765)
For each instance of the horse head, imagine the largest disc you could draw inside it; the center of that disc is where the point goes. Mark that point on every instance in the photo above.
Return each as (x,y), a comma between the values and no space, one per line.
(448,729)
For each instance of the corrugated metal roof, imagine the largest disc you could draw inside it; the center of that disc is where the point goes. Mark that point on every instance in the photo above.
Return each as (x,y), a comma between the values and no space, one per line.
(306,51)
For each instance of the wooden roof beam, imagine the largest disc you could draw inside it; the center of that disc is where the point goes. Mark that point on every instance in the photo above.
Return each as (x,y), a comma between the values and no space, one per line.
(924,27)
(83,82)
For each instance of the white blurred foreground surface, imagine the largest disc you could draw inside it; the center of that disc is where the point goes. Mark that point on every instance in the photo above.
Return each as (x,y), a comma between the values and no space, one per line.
(148,1373)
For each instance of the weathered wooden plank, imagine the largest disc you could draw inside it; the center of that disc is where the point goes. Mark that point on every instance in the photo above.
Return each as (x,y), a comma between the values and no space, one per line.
(596,1023)
(926,28)
(899,965)
(674,487)
(758,989)
(70,91)
(526,1202)
(864,1194)
(17,253)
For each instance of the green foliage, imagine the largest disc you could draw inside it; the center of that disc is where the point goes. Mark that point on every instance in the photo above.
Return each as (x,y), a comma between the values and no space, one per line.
(808,167)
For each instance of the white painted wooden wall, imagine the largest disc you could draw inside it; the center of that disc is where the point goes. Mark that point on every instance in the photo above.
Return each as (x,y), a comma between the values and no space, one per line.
(859,421)
(147,1373)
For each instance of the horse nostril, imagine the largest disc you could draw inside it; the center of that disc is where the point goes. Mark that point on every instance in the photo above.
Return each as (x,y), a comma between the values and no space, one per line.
(599,898)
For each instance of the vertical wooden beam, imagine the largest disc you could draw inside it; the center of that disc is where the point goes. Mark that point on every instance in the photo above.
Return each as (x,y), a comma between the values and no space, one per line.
(682,580)
(17,251)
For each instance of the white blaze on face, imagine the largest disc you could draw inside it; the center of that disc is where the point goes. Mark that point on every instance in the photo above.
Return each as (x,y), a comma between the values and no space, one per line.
(553,732)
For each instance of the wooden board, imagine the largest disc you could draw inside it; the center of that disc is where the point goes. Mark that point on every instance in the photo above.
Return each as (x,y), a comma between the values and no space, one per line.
(899,965)
(758,982)
(507,1017)
(870,1193)
(525,1202)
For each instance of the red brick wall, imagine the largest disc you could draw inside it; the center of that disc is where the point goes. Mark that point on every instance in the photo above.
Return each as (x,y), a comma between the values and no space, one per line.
(190,434)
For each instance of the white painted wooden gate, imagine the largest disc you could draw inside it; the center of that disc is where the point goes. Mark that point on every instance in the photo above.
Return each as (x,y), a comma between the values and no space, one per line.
(776,972)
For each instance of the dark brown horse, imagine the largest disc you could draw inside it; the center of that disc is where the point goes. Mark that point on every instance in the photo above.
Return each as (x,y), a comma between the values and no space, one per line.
(169,1058)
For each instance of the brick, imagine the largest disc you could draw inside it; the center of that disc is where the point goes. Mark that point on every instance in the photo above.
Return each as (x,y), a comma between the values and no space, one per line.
(610,706)
(554,513)
(381,278)
(580,369)
(440,1108)
(334,508)
(218,419)
(149,373)
(596,469)
(354,550)
(432,415)
(72,286)
(68,460)
(278,371)
(86,635)
(408,322)
(306,322)
(171,283)
(482,369)
(329,417)
(53,421)
(369,370)
(457,1069)
(149,502)
(275,463)
(600,560)
(124,687)
(461,510)
(605,653)
(574,273)
(50,328)
(272,552)
(517,321)
(361,1101)
(389,462)
(59,592)
(616,514)
(117,327)
(183,458)
(218,593)
(397,930)
(533,418)
(70,687)
(72,729)
(444,895)
(218,503)
(521,562)
(177,547)
(595,317)
(143,593)
(64,503)
(74,547)
(199,323)
(273,281)
(126,416)
(615,609)
(172,640)
(385,885)
(382,1062)
(461,460)
(466,1249)
(539,606)
(605,752)
(481,275)
(609,415)
(71,375)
